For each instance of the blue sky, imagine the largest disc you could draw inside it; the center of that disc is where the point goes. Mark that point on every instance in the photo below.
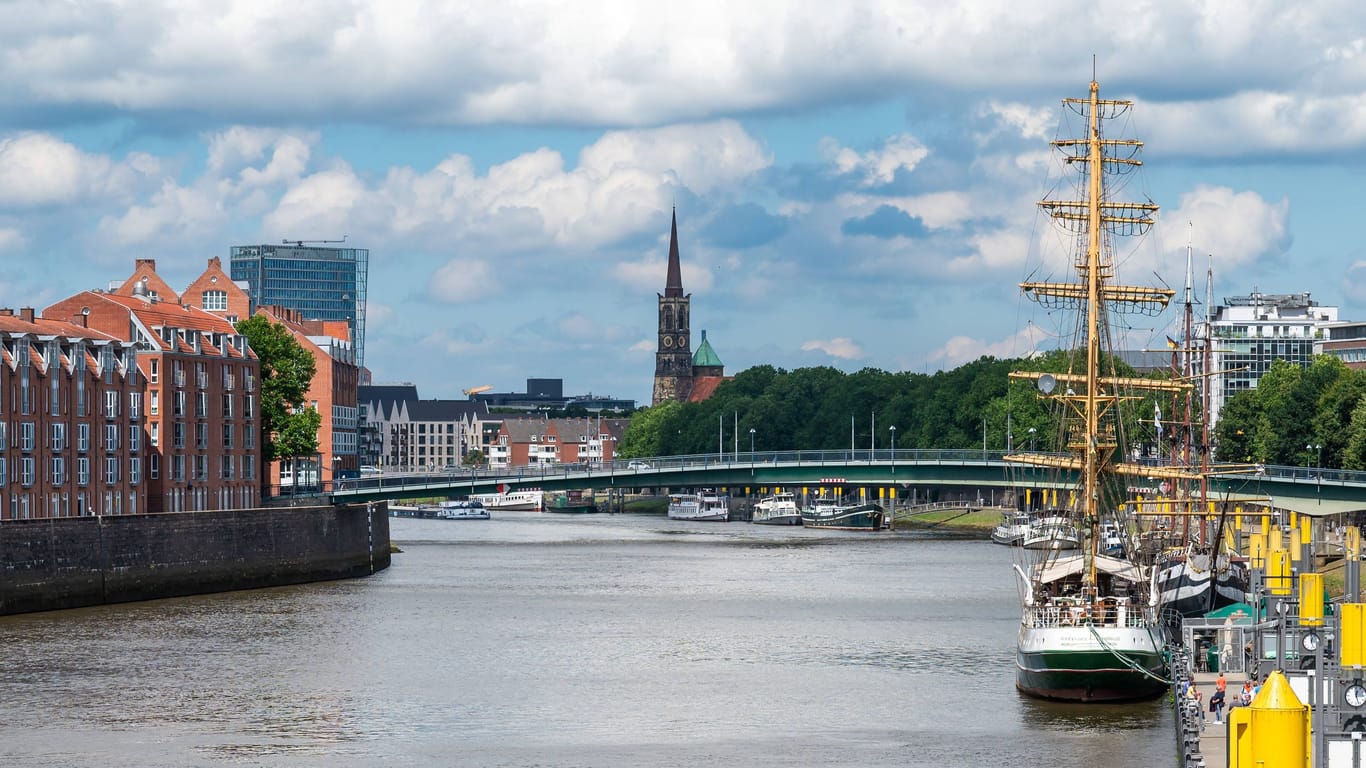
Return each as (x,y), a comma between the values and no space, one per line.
(855,185)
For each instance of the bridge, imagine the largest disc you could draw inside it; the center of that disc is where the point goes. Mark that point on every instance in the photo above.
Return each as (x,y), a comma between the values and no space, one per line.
(905,474)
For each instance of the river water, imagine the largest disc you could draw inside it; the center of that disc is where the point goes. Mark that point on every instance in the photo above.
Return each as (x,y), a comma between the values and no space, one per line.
(589,641)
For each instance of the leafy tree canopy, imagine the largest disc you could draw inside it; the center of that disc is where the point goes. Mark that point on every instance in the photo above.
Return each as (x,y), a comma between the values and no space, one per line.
(287,428)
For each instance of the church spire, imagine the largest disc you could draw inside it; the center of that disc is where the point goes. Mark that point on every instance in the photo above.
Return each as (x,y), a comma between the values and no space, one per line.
(673,286)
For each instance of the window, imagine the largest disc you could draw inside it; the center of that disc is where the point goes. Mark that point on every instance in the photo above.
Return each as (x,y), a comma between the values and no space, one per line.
(201,377)
(134,405)
(225,467)
(134,438)
(201,435)
(178,468)
(83,471)
(248,437)
(201,467)
(4,473)
(111,470)
(179,409)
(156,434)
(154,371)
(154,403)
(111,405)
(249,407)
(178,435)
(135,470)
(82,437)
(154,466)
(249,467)
(26,436)
(111,437)
(26,470)
(227,405)
(201,405)
(227,436)
(58,466)
(4,435)
(215,301)
(57,435)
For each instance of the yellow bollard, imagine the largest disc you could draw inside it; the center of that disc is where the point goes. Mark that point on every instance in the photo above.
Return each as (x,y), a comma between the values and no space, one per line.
(1295,547)
(1311,599)
(1240,738)
(1278,725)
(1256,550)
(1278,572)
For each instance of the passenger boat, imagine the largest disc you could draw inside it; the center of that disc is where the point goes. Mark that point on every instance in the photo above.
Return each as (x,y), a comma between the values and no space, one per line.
(778,509)
(845,517)
(1012,529)
(706,506)
(1051,531)
(1090,626)
(460,509)
(512,500)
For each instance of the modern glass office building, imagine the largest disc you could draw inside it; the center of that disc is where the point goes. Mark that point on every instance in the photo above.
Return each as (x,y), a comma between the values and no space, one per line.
(323,283)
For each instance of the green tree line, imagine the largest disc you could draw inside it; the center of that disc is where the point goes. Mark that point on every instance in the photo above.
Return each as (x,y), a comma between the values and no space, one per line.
(1311,416)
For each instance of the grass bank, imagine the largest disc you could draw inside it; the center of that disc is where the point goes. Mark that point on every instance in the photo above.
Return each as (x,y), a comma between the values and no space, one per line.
(981,521)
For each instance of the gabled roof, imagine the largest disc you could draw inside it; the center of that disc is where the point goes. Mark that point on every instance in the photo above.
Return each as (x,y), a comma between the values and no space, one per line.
(382,397)
(445,410)
(704,387)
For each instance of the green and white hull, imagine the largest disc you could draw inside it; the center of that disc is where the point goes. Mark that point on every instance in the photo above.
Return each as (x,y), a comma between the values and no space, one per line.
(1091,663)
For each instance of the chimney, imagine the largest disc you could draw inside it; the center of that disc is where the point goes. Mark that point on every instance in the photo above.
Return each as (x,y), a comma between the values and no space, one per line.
(26,314)
(6,312)
(149,263)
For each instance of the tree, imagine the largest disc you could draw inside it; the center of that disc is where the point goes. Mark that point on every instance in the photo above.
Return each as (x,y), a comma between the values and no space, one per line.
(475,458)
(287,428)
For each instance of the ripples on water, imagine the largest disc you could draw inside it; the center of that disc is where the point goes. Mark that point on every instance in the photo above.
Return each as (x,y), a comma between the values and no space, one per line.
(542,640)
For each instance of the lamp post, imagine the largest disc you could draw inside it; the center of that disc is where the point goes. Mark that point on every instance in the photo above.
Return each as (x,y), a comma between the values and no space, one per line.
(1031,439)
(892,429)
(751,451)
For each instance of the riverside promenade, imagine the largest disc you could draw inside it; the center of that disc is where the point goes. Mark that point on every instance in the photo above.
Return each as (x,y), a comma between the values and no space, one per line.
(1214,735)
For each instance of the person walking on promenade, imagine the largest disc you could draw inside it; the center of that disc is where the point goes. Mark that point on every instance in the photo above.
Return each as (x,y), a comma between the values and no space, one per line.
(1216,705)
(1245,697)
(1221,684)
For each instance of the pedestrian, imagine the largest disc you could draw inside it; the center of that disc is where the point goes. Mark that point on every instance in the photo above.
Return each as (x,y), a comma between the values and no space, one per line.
(1199,702)
(1245,697)
(1216,705)
(1221,685)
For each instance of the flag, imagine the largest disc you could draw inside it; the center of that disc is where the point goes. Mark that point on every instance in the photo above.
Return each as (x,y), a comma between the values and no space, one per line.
(1157,419)
(1173,343)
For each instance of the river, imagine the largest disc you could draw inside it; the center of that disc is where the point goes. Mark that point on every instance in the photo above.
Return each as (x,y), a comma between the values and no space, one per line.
(588,641)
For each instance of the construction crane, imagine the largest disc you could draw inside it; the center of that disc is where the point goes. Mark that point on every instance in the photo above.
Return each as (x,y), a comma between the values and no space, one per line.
(300,243)
(472,391)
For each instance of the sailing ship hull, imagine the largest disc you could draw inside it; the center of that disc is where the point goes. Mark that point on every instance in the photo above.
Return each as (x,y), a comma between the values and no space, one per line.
(861,517)
(1091,664)
(1186,590)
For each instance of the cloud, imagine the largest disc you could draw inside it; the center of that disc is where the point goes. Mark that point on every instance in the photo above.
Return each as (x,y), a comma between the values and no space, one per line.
(1354,282)
(841,348)
(745,225)
(881,166)
(886,222)
(463,280)
(1238,228)
(37,169)
(958,350)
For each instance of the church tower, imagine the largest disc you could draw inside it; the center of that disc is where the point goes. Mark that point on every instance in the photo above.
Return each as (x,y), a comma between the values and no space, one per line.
(673,356)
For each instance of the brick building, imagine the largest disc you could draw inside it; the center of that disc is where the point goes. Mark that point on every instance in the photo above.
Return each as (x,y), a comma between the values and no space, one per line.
(200,383)
(72,430)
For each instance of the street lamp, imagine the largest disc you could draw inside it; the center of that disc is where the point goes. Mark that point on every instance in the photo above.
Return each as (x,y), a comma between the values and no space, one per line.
(892,429)
(1031,439)
(1314,449)
(751,451)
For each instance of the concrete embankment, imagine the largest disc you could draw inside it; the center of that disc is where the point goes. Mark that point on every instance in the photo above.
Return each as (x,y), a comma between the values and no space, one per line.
(72,562)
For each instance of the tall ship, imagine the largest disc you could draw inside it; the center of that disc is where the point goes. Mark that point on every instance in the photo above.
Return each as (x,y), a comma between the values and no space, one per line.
(706,505)
(1091,627)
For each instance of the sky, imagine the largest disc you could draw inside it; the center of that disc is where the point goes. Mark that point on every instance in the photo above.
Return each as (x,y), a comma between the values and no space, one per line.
(855,182)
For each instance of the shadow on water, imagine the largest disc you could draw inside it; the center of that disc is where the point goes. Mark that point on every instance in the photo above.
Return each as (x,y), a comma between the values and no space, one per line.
(1077,719)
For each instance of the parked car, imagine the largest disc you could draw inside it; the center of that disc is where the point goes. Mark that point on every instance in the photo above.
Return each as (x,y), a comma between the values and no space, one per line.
(637,464)
(366,469)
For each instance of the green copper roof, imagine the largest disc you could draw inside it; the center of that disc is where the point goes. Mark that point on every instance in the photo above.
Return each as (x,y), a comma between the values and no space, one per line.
(705,356)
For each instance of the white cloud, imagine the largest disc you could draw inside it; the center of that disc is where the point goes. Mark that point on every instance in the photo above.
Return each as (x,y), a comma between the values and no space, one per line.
(37,169)
(964,349)
(879,166)
(1238,228)
(11,239)
(840,347)
(463,280)
(1354,282)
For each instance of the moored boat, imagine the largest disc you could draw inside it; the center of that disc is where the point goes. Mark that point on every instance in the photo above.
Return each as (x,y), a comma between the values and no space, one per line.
(460,509)
(572,502)
(1052,531)
(512,500)
(778,509)
(845,517)
(707,505)
(1012,529)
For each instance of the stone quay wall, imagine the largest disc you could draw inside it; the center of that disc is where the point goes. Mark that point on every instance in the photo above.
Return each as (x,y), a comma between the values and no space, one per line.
(72,562)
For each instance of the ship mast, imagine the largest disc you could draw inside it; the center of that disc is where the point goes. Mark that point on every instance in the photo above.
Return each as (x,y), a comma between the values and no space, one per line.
(1095,444)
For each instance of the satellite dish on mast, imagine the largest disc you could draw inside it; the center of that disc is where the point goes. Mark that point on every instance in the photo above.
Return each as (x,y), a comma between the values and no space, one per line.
(1047,383)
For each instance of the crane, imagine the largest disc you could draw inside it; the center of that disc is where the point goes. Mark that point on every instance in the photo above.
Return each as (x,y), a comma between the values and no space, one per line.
(472,391)
(300,243)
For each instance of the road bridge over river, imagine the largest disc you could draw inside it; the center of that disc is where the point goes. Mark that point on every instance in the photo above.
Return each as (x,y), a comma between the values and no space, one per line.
(907,475)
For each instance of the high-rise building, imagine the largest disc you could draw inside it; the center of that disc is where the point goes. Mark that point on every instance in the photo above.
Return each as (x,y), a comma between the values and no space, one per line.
(1248,332)
(319,282)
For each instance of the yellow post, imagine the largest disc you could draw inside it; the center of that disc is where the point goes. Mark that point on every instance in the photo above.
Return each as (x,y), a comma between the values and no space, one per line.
(1295,547)
(1352,651)
(1027,495)
(1278,572)
(1311,599)
(1352,540)
(881,493)
(1240,738)
(1278,725)
(1256,550)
